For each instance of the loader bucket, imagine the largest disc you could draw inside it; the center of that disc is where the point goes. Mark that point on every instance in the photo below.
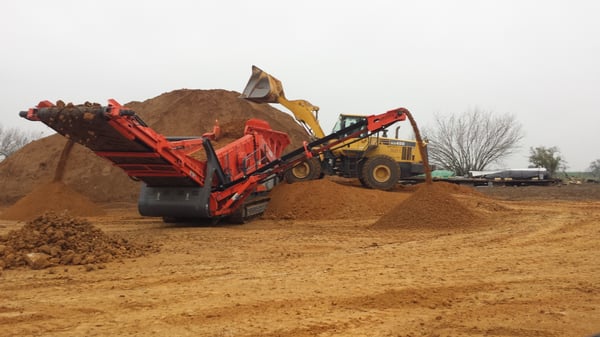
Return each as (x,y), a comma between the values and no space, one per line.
(262,87)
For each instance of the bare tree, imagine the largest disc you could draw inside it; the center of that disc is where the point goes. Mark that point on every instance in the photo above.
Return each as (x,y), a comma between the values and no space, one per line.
(12,139)
(472,140)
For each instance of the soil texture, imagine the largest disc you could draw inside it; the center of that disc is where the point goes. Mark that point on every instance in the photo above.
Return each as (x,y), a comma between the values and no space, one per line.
(525,267)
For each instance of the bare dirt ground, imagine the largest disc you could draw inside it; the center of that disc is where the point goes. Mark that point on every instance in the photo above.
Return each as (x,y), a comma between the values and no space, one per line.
(529,268)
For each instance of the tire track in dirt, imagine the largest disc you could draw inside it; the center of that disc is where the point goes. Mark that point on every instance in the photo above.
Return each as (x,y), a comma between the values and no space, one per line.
(434,306)
(337,278)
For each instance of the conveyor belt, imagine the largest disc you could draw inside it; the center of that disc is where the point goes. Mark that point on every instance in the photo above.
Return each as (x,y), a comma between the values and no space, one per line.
(94,127)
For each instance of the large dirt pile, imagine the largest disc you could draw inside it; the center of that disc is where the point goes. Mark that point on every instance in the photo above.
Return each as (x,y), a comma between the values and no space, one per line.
(177,113)
(324,199)
(193,112)
(53,239)
(55,196)
(430,206)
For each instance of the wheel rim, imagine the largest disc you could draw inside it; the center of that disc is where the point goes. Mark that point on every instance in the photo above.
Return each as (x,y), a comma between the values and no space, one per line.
(381,173)
(301,170)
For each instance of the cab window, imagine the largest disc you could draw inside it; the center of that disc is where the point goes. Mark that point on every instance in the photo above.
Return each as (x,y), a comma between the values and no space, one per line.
(346,121)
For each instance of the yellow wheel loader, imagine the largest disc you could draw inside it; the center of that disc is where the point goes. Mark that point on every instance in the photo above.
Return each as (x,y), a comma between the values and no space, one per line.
(377,160)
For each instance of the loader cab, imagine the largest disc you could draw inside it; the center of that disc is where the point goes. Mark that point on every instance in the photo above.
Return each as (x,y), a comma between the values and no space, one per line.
(345,121)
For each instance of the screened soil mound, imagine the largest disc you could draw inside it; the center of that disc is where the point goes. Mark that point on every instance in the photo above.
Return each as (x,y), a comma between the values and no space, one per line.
(54,196)
(177,113)
(53,239)
(430,206)
(459,189)
(324,199)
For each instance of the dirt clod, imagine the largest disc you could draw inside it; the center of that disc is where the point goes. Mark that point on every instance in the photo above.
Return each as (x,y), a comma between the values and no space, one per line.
(53,239)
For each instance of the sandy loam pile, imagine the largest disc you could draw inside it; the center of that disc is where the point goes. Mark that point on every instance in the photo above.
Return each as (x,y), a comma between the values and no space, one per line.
(431,206)
(54,196)
(325,199)
(58,239)
(439,205)
(183,112)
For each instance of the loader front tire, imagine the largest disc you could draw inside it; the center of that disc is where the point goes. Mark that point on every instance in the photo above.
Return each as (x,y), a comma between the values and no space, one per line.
(308,169)
(380,172)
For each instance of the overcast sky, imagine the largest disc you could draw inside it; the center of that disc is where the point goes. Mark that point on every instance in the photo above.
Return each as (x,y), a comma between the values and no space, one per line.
(537,60)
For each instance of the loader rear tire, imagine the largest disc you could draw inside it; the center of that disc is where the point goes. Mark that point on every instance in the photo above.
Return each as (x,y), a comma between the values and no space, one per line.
(309,169)
(380,172)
